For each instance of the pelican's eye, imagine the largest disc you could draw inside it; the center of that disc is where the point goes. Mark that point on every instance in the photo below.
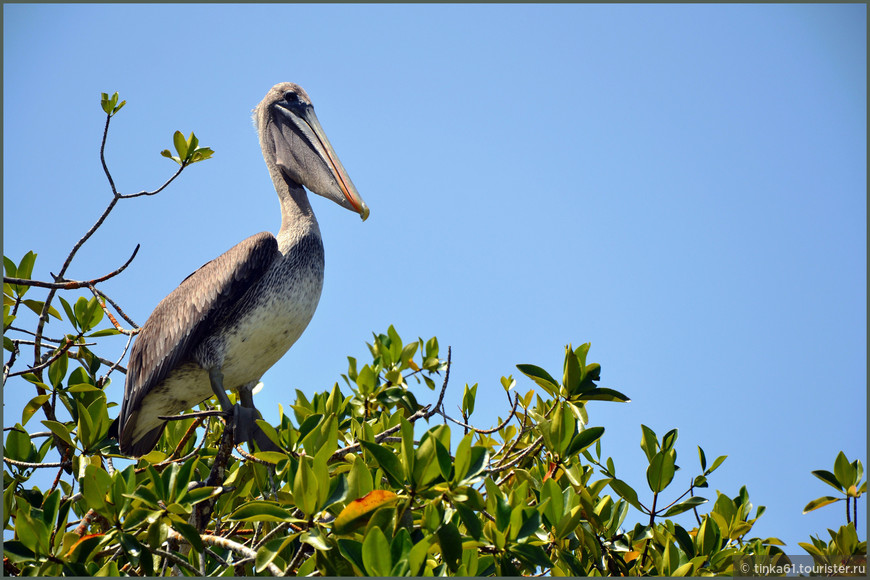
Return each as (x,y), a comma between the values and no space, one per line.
(291,97)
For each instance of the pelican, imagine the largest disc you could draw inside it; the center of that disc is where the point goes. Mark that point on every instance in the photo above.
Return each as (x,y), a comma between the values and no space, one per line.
(232,319)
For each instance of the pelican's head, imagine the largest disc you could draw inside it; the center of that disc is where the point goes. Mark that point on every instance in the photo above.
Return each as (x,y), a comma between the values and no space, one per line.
(295,145)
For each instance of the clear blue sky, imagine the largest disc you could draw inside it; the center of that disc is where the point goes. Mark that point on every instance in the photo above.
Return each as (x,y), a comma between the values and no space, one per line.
(682,186)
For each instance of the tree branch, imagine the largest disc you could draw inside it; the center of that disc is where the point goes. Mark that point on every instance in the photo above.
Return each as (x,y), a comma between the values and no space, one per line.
(227,545)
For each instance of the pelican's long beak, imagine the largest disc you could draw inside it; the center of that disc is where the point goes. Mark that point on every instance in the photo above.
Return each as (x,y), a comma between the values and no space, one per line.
(328,153)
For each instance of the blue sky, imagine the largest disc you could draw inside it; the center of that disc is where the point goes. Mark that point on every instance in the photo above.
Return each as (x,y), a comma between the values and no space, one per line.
(682,186)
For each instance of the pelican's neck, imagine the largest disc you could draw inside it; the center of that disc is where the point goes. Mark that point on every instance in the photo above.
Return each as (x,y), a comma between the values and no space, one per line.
(297,217)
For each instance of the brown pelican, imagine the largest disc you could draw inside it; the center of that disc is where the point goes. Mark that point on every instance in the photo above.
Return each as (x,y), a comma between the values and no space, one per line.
(231,320)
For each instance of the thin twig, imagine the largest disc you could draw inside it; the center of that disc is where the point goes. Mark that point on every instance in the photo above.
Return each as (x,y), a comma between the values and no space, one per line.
(250,457)
(519,456)
(61,284)
(156,191)
(277,529)
(178,561)
(379,437)
(61,349)
(296,559)
(117,364)
(443,388)
(487,431)
(197,415)
(116,307)
(27,465)
(227,545)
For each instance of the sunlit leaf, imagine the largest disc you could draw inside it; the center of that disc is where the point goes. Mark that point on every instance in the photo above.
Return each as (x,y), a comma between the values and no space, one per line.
(358,511)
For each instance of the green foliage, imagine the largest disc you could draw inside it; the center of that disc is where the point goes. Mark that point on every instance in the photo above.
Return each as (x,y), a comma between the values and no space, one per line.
(188,150)
(369,480)
(110,104)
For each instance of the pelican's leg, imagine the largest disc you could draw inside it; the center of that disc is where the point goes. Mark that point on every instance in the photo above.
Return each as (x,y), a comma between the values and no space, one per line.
(248,416)
(243,417)
(216,378)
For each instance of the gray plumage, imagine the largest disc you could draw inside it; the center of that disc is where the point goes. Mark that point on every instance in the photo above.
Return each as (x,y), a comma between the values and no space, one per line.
(232,319)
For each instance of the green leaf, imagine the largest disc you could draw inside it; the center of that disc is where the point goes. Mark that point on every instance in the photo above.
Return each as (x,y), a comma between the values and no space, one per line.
(602,394)
(85,426)
(305,487)
(445,461)
(478,466)
(584,439)
(716,464)
(844,471)
(531,522)
(68,309)
(108,104)
(60,430)
(18,444)
(828,478)
(359,479)
(703,458)
(668,441)
(180,144)
(367,381)
(571,520)
(472,522)
(417,555)
(684,506)
(561,429)
(32,407)
(531,554)
(25,266)
(541,377)
(573,372)
(267,553)
(407,448)
(17,551)
(95,483)
(259,510)
(57,370)
(551,500)
(820,502)
(338,490)
(661,470)
(36,306)
(708,538)
(468,397)
(627,493)
(387,461)
(376,553)
(451,545)
(352,551)
(190,534)
(648,442)
(104,332)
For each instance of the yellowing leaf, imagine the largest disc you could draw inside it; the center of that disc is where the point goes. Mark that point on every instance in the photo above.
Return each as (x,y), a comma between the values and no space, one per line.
(359,510)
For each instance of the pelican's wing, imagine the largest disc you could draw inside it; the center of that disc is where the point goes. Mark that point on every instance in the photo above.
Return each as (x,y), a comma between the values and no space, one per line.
(182,320)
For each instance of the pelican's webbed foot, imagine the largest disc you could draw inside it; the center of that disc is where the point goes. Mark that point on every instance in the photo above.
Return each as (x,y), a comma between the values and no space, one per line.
(244,415)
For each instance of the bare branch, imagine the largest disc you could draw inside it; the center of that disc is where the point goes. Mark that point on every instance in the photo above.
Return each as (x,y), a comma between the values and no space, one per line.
(61,284)
(485,431)
(197,415)
(156,191)
(62,349)
(443,387)
(26,465)
(116,307)
(534,447)
(178,561)
(227,545)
